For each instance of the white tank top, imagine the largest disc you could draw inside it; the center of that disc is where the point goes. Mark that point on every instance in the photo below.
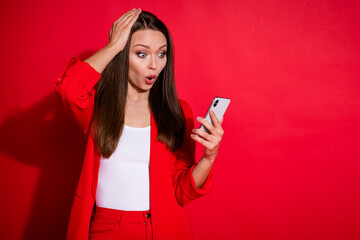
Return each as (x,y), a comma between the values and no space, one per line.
(123,181)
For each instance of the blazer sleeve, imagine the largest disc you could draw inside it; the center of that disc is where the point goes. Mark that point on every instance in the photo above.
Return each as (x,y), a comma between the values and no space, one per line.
(75,88)
(184,184)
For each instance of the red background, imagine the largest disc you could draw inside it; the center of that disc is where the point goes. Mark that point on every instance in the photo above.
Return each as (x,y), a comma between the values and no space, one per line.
(288,166)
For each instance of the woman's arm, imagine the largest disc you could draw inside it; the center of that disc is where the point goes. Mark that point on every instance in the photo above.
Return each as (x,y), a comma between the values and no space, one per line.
(201,171)
(186,189)
(102,58)
(74,86)
(211,142)
(75,83)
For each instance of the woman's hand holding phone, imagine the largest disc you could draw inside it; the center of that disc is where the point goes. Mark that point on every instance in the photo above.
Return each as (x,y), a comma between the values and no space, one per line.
(210,131)
(211,141)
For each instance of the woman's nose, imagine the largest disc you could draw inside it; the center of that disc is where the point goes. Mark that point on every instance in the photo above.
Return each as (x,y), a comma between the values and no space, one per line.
(152,63)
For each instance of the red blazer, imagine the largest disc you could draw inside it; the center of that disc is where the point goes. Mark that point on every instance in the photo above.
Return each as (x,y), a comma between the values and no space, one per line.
(171,182)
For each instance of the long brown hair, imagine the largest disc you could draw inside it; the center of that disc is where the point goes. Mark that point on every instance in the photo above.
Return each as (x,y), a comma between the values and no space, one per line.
(111,92)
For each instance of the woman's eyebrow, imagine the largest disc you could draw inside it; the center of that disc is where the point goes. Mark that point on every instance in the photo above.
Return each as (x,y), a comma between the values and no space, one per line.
(148,46)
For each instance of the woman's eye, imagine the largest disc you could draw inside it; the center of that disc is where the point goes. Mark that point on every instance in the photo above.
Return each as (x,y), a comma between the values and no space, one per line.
(141,54)
(162,54)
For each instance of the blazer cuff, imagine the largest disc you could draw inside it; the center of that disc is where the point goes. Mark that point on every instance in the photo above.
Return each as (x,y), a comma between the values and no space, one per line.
(82,71)
(206,188)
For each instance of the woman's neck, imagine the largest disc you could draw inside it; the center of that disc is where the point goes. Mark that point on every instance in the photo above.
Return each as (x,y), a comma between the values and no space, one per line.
(136,96)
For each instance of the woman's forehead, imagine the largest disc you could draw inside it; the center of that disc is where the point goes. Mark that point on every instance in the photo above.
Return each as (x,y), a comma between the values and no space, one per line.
(148,37)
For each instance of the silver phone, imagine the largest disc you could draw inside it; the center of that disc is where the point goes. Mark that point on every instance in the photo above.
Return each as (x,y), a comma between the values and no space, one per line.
(219,106)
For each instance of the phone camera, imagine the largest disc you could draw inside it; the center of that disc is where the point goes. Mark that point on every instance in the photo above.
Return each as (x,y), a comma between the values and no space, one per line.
(216,102)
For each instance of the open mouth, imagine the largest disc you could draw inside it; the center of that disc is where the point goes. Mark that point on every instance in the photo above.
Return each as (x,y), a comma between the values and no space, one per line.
(150,79)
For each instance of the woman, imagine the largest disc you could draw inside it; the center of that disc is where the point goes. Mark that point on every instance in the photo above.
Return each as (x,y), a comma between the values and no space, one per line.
(139,167)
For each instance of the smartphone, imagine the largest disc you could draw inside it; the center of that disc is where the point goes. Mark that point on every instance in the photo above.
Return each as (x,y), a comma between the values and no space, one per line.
(219,106)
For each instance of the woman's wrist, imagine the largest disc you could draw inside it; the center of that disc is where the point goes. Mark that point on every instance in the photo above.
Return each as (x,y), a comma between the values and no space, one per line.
(209,159)
(102,58)
(113,48)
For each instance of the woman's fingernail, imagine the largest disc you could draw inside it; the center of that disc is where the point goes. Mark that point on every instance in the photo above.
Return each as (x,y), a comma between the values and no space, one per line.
(193,130)
(199,119)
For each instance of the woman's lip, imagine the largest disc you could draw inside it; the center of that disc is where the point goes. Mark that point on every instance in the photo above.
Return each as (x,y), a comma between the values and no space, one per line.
(151,76)
(150,81)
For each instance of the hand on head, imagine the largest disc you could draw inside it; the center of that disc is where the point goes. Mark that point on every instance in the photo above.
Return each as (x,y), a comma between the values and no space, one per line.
(120,29)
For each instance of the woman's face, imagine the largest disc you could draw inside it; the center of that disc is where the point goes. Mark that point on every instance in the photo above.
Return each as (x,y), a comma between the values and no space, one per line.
(147,58)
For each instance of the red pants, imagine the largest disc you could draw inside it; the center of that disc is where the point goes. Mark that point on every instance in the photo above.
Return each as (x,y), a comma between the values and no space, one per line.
(116,224)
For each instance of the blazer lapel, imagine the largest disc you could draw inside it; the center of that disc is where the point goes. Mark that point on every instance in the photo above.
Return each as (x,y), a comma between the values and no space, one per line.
(154,150)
